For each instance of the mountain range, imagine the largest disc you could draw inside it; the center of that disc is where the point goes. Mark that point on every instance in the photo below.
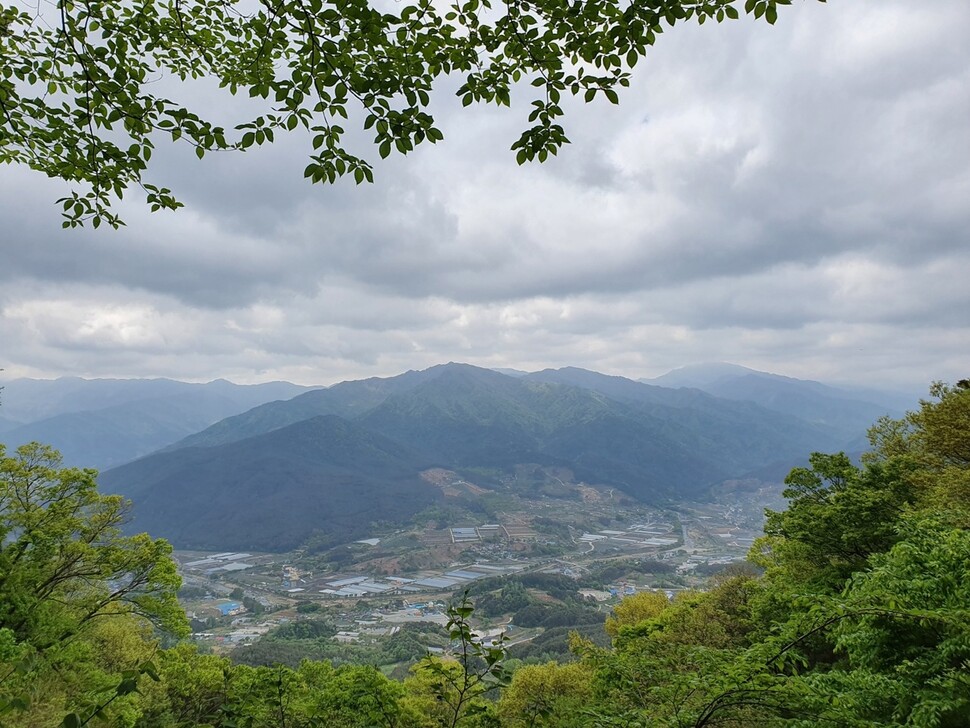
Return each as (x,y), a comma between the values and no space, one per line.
(100,423)
(328,463)
(848,411)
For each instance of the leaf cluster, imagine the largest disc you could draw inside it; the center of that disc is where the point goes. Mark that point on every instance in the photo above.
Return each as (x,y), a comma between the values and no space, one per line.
(78,79)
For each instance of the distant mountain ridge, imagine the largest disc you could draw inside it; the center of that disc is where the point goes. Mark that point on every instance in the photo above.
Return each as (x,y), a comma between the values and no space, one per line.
(654,443)
(848,411)
(101,423)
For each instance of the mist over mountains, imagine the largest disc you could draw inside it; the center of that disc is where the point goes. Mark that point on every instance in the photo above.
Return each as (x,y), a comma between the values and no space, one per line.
(99,423)
(850,411)
(328,463)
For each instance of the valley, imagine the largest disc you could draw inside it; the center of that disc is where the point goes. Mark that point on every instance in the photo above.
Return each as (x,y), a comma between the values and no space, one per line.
(357,601)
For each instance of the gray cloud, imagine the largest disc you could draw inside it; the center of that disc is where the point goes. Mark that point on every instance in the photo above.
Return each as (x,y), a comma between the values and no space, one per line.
(792,198)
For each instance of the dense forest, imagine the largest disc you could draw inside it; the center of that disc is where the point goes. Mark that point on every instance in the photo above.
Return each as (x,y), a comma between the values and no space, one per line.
(859,618)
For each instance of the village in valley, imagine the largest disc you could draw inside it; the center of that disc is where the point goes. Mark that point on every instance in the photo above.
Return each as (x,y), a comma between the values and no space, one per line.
(541,528)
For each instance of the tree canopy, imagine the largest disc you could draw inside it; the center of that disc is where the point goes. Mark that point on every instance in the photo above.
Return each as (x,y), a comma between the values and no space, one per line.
(73,589)
(860,618)
(84,85)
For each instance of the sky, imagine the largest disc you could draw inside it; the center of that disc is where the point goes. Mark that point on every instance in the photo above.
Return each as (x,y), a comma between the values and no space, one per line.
(794,198)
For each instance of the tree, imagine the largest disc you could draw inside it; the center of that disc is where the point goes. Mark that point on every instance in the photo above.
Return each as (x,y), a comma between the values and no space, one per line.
(860,618)
(64,562)
(77,81)
(934,440)
(356,696)
(838,515)
(74,589)
(194,689)
(635,609)
(906,632)
(549,694)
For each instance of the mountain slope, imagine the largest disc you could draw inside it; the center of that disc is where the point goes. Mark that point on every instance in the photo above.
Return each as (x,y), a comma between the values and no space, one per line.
(346,399)
(7,424)
(115,435)
(700,376)
(30,400)
(610,431)
(324,475)
(738,435)
(847,412)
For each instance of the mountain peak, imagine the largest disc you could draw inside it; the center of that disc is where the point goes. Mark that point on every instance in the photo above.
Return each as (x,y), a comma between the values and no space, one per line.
(700,375)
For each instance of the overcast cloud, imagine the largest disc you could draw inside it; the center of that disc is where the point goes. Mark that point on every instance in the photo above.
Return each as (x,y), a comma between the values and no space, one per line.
(793,198)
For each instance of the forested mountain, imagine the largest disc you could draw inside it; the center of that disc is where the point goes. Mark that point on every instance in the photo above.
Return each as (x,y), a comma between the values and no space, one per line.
(347,399)
(101,423)
(740,434)
(274,490)
(647,441)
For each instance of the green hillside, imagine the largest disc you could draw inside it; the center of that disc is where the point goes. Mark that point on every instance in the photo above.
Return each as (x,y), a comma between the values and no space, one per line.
(324,476)
(346,399)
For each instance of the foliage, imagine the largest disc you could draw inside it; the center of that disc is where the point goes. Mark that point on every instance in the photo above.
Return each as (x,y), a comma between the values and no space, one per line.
(906,632)
(64,561)
(860,618)
(459,688)
(549,694)
(556,615)
(635,609)
(510,598)
(76,596)
(838,515)
(291,643)
(192,692)
(719,618)
(606,572)
(78,100)
(556,643)
(188,591)
(268,652)
(934,438)
(305,629)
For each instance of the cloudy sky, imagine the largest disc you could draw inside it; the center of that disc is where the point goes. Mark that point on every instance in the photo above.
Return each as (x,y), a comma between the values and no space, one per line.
(792,198)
